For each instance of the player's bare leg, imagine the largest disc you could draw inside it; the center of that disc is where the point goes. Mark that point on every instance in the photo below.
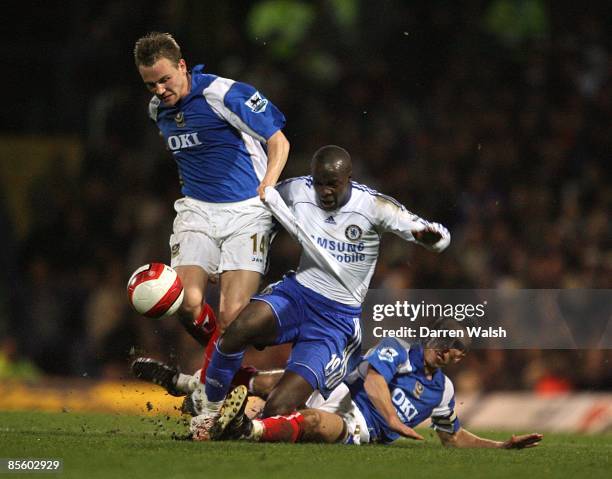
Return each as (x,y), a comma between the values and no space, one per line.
(289,394)
(177,383)
(256,325)
(308,425)
(264,382)
(194,314)
(237,288)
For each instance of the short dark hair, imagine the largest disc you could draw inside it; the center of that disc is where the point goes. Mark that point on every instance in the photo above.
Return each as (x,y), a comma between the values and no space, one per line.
(333,155)
(155,45)
(443,342)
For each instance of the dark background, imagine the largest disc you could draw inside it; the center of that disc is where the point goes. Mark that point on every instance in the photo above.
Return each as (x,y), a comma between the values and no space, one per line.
(492,117)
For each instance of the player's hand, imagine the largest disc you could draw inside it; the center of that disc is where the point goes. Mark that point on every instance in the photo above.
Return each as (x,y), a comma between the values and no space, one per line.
(399,427)
(433,236)
(427,237)
(261,189)
(521,442)
(411,433)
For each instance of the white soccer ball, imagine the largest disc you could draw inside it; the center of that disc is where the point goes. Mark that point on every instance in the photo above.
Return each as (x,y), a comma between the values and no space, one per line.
(155,290)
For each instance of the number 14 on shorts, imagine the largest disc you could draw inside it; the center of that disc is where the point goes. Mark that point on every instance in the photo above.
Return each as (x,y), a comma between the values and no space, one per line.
(260,243)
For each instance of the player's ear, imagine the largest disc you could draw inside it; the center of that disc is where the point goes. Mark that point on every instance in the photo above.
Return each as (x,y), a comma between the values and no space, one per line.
(182,65)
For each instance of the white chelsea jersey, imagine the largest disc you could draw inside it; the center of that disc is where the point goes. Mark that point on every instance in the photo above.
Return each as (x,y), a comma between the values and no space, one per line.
(341,246)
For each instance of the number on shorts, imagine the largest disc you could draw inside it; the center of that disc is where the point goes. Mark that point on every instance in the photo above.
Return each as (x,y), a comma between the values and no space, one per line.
(261,245)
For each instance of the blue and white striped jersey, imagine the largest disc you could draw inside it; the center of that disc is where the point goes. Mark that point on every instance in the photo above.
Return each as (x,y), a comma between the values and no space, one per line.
(414,396)
(217,135)
(347,238)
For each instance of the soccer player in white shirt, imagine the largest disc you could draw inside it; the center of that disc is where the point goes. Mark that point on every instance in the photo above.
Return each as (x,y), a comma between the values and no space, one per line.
(339,224)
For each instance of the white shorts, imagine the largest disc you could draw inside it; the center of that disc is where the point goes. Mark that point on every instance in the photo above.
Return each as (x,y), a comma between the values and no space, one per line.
(340,402)
(221,236)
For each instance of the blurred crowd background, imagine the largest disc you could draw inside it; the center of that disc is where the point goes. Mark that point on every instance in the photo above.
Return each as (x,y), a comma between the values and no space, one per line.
(492,117)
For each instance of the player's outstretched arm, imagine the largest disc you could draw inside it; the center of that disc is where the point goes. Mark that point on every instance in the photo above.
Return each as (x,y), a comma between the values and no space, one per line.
(278,151)
(395,218)
(378,391)
(464,438)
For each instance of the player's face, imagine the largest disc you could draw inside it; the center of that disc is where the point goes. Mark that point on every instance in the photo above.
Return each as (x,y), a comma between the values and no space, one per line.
(332,187)
(438,358)
(165,80)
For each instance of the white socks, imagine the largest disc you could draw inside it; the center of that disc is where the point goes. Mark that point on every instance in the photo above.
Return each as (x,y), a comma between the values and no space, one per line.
(201,403)
(183,383)
(187,383)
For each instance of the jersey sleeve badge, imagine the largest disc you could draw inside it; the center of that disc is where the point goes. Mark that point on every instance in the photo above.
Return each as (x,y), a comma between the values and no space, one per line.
(257,103)
(387,354)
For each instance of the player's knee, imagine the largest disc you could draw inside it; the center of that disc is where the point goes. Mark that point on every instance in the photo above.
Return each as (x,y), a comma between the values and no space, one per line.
(312,421)
(229,311)
(254,326)
(320,426)
(192,301)
(265,381)
(240,333)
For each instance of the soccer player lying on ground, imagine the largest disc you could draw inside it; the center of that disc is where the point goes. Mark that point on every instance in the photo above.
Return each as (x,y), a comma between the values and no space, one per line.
(339,224)
(395,387)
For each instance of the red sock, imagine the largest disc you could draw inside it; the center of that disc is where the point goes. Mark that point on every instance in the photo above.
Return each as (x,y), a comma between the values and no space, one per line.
(283,428)
(208,352)
(207,321)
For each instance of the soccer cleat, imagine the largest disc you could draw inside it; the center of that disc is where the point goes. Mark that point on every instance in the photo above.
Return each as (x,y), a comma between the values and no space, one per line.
(232,422)
(159,373)
(201,425)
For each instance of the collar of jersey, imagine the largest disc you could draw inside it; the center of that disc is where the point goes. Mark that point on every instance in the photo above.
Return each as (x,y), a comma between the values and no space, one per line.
(197,69)
(419,363)
(348,197)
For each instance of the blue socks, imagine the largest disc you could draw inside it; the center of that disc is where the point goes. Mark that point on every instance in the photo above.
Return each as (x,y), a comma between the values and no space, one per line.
(220,373)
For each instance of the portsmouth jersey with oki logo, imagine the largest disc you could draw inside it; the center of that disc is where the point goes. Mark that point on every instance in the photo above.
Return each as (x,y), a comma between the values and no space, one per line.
(414,396)
(217,135)
(349,236)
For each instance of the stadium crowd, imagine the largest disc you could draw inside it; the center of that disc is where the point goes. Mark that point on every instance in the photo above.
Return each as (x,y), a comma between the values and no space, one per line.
(503,138)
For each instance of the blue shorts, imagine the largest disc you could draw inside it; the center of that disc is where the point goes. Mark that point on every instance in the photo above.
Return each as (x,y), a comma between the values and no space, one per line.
(326,335)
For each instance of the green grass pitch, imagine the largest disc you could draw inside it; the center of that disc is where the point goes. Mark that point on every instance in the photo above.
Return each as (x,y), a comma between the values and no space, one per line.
(124,446)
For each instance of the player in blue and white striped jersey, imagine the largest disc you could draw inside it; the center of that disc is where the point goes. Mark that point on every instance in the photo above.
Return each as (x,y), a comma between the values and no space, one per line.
(227,141)
(395,388)
(339,224)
